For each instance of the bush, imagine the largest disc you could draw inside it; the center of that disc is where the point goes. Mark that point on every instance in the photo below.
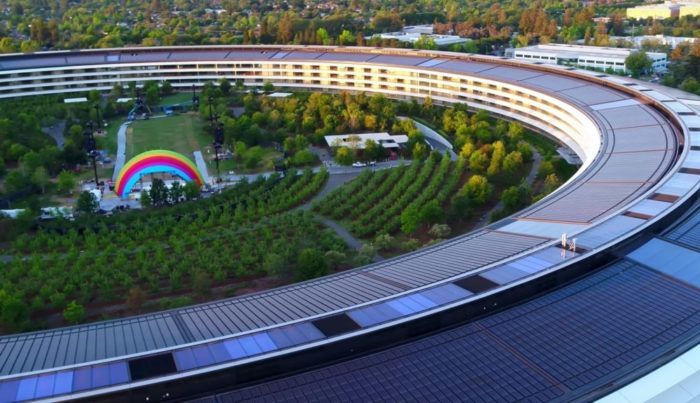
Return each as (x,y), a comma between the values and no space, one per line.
(440,231)
(74,313)
(311,264)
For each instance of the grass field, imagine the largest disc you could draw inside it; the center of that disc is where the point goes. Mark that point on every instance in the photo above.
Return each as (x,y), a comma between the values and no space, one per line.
(182,133)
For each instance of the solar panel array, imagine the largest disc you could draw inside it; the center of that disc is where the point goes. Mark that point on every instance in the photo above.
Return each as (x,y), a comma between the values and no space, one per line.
(557,345)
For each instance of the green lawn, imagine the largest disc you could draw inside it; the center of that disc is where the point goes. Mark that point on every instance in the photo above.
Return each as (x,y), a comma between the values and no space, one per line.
(183,133)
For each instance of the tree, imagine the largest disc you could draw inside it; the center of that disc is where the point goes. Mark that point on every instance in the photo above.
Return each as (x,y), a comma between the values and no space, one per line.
(516,196)
(478,162)
(273,264)
(87,203)
(372,151)
(40,178)
(145,199)
(74,313)
(515,131)
(431,213)
(14,182)
(191,190)
(303,157)
(225,86)
(420,151)
(13,311)
(158,192)
(478,189)
(513,162)
(344,156)
(66,182)
(176,192)
(638,63)
(311,264)
(551,182)
(460,208)
(497,155)
(346,38)
(268,87)
(410,219)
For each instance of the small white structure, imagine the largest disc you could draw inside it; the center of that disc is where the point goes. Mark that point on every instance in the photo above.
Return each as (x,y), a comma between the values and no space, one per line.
(583,56)
(74,100)
(280,95)
(357,141)
(418,29)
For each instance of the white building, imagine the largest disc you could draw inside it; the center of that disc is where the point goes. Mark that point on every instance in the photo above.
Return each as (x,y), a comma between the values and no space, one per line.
(357,141)
(638,41)
(412,37)
(583,56)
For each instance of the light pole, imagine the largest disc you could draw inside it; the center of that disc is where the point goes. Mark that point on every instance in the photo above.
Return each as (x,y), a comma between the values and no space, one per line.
(91,148)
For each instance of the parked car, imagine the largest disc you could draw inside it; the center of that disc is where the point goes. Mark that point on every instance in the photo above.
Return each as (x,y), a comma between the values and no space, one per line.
(359,164)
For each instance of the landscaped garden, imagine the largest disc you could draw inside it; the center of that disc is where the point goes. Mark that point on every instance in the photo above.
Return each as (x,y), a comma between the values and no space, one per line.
(246,238)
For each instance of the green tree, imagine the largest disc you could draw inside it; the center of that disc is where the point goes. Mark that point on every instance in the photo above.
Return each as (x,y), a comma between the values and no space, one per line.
(478,162)
(637,63)
(513,163)
(273,264)
(431,213)
(192,190)
(74,313)
(478,189)
(176,192)
(14,182)
(268,87)
(551,183)
(515,131)
(344,156)
(158,192)
(346,38)
(311,264)
(66,182)
(303,158)
(410,219)
(13,311)
(87,203)
(40,178)
(145,199)
(497,155)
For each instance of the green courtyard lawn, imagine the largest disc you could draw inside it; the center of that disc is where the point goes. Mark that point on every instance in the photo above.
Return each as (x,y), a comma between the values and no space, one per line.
(182,133)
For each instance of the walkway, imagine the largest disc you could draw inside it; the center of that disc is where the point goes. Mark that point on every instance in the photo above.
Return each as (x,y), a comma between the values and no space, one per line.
(434,139)
(121,150)
(201,165)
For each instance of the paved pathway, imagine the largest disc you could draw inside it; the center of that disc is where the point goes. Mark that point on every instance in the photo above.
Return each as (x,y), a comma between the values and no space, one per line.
(201,165)
(121,150)
(431,136)
(56,133)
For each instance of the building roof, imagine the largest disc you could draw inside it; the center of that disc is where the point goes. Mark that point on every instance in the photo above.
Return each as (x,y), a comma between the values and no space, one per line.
(357,141)
(582,50)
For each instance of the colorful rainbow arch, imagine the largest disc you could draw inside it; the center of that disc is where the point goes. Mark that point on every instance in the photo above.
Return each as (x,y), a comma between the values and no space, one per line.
(155,161)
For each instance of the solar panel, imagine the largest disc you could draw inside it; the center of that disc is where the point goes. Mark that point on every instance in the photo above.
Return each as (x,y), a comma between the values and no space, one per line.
(335,325)
(476,284)
(152,366)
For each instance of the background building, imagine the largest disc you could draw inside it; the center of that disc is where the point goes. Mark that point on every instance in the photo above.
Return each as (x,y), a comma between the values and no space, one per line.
(665,10)
(583,56)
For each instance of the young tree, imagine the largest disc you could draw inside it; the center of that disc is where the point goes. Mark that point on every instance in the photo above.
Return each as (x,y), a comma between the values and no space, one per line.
(40,178)
(66,182)
(477,189)
(513,162)
(638,63)
(344,156)
(431,213)
(176,192)
(87,203)
(311,264)
(478,162)
(191,190)
(158,192)
(410,219)
(145,199)
(74,313)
